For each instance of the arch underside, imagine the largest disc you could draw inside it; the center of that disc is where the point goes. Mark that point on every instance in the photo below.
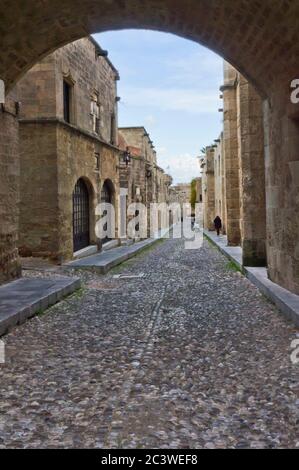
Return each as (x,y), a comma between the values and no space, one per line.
(261,38)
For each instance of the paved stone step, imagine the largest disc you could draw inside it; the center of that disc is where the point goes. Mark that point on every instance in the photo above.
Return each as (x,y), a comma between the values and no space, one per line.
(104,261)
(88,251)
(22,299)
(285,301)
(110,245)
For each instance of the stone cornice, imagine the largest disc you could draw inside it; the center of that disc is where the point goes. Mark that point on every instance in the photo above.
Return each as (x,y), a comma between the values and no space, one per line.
(70,127)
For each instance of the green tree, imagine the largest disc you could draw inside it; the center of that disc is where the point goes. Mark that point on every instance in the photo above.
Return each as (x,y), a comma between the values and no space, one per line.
(193,194)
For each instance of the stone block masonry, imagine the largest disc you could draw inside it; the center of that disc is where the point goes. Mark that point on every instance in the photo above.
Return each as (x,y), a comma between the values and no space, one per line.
(9,190)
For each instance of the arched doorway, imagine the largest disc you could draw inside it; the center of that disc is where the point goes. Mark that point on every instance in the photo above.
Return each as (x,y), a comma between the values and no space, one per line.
(107,197)
(81,216)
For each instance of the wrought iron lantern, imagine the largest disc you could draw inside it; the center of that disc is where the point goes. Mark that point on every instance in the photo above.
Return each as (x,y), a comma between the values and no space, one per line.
(127,156)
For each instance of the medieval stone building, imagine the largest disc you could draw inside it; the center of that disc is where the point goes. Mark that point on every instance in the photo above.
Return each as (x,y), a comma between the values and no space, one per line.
(213,181)
(142,177)
(137,175)
(69,150)
(198,189)
(181,193)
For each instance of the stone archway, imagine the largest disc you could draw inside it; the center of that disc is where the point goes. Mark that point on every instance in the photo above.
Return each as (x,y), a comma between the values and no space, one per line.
(261,39)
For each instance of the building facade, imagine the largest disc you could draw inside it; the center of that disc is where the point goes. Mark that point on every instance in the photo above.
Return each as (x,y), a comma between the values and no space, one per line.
(208,188)
(213,182)
(69,150)
(145,181)
(234,171)
(181,193)
(198,189)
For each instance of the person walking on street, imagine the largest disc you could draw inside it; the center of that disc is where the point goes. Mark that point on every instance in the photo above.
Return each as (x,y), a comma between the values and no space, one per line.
(218,225)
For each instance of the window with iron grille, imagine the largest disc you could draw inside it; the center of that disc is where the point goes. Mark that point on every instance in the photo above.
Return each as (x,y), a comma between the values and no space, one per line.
(81,219)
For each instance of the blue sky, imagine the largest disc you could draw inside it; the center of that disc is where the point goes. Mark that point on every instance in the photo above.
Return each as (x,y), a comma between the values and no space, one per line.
(170,86)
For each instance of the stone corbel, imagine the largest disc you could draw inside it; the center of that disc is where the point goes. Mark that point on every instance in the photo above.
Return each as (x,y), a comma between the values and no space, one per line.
(67,76)
(229,85)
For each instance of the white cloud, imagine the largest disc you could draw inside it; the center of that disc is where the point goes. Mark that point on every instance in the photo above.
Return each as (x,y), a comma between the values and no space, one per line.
(197,67)
(162,151)
(150,120)
(171,99)
(183,168)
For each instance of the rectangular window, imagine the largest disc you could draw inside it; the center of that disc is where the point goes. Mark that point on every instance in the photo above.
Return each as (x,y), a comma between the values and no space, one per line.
(97,157)
(67,96)
(113,130)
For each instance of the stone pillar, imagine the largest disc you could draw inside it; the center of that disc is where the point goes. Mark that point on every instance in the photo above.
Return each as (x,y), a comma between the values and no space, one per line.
(9,190)
(230,136)
(223,186)
(282,188)
(252,174)
(210,190)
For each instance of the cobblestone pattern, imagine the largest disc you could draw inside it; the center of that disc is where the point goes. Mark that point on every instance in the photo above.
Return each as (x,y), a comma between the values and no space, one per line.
(191,355)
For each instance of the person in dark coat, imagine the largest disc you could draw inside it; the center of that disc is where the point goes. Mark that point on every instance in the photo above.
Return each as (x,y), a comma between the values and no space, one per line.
(218,224)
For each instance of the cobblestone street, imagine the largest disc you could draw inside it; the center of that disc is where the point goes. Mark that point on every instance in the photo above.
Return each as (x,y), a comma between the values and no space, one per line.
(189,356)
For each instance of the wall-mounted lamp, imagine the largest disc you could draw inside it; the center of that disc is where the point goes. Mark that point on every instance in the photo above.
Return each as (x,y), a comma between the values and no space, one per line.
(127,156)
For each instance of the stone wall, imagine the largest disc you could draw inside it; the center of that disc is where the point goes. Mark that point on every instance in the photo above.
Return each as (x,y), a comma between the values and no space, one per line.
(208,188)
(76,159)
(282,189)
(220,187)
(37,90)
(231,155)
(39,226)
(252,174)
(9,190)
(181,193)
(244,165)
